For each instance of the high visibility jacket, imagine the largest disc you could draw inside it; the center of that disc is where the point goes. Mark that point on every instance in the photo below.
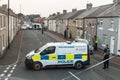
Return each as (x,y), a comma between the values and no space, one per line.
(96,41)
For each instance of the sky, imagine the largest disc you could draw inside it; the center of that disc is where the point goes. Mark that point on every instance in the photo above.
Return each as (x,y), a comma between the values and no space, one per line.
(47,7)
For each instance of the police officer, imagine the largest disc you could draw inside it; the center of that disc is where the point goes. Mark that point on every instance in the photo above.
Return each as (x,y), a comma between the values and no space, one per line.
(95,42)
(106,56)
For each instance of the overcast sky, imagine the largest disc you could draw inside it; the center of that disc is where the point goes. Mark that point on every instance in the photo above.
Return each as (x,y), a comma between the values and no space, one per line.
(46,7)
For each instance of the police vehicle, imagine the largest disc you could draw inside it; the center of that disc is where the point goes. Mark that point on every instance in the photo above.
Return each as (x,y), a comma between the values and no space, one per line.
(59,54)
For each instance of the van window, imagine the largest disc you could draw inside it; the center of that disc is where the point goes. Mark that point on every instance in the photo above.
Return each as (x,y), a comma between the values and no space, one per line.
(48,50)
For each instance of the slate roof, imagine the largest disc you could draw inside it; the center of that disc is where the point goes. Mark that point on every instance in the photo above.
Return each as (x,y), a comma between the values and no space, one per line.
(114,11)
(86,13)
(99,10)
(76,14)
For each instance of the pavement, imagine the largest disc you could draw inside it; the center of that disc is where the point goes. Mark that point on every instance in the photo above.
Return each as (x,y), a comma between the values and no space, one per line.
(11,54)
(97,54)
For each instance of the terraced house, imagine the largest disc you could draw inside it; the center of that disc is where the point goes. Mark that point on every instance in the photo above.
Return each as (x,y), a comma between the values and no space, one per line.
(102,21)
(14,26)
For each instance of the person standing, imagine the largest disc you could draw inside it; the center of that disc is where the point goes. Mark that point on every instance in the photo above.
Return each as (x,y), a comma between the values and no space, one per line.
(42,30)
(106,56)
(95,42)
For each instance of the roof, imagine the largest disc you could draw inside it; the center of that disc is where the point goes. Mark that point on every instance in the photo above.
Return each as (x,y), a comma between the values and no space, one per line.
(99,10)
(86,13)
(76,14)
(113,11)
(68,15)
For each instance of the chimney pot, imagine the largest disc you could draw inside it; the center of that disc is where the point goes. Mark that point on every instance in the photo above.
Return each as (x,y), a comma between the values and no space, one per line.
(73,10)
(115,1)
(64,11)
(89,5)
(4,6)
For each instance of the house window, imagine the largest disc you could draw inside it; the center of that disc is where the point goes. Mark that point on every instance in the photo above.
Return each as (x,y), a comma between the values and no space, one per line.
(105,40)
(101,24)
(112,25)
(76,23)
(4,19)
(0,21)
(89,37)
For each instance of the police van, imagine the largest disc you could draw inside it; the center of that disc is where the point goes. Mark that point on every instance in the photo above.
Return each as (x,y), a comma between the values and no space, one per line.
(59,54)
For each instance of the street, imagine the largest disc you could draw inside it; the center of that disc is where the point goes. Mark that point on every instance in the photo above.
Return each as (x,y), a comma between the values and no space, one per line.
(33,39)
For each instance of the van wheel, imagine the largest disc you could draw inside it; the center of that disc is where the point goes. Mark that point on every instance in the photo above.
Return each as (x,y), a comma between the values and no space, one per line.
(37,66)
(78,65)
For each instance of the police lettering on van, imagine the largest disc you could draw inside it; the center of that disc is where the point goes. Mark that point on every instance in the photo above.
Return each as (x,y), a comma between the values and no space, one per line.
(59,53)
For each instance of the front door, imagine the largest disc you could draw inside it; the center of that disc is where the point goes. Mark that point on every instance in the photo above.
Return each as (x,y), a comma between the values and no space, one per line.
(112,41)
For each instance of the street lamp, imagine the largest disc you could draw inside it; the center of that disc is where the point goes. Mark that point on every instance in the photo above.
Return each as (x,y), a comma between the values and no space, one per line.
(8,25)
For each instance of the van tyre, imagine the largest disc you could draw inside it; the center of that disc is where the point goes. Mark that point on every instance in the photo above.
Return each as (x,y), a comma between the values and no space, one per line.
(37,66)
(78,65)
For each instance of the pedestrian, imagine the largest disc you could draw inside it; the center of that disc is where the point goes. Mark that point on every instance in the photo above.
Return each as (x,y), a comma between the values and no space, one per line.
(42,30)
(106,56)
(95,42)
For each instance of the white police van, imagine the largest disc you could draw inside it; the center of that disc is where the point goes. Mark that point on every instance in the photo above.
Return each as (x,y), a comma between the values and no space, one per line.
(59,54)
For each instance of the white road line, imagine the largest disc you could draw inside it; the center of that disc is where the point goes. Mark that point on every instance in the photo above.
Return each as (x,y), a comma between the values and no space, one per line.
(2,75)
(5,71)
(8,75)
(13,68)
(15,65)
(74,76)
(6,79)
(89,68)
(11,71)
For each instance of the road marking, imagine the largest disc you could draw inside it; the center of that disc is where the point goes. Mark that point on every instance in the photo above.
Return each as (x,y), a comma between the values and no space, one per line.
(5,71)
(2,75)
(88,68)
(74,76)
(11,71)
(15,65)
(6,79)
(8,75)
(13,68)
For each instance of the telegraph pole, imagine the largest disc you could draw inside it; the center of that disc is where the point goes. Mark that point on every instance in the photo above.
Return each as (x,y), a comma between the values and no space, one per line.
(8,24)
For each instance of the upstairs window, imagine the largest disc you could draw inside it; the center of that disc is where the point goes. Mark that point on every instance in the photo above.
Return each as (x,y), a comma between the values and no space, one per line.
(112,25)
(101,24)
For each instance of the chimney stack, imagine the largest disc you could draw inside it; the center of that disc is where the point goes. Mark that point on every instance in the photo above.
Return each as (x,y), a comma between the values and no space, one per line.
(64,11)
(73,10)
(58,13)
(54,14)
(115,1)
(89,5)
(4,6)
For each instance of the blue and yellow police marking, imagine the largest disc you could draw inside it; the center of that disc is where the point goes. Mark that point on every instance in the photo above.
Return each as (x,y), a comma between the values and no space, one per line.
(69,56)
(84,56)
(36,57)
(60,57)
(53,57)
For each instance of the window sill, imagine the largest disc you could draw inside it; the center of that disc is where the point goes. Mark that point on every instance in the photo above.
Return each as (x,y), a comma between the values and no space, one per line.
(100,28)
(3,48)
(103,45)
(1,28)
(111,29)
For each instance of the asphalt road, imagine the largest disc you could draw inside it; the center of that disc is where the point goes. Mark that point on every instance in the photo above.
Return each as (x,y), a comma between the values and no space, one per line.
(33,39)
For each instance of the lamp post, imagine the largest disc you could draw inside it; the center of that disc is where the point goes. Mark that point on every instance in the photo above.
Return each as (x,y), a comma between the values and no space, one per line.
(8,25)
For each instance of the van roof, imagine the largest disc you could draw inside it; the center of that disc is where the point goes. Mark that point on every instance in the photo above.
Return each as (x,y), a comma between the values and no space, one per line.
(65,43)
